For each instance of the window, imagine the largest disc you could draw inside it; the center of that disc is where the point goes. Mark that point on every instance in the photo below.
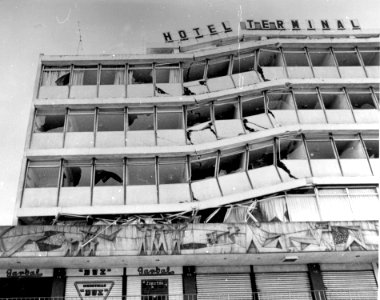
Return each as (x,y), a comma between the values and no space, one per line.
(307,100)
(55,75)
(320,149)
(169,73)
(321,58)
(49,122)
(75,174)
(108,173)
(109,120)
(361,100)
(231,163)
(243,63)
(85,75)
(270,58)
(218,67)
(253,105)
(169,120)
(296,59)
(140,120)
(202,168)
(280,101)
(171,171)
(42,175)
(140,74)
(372,147)
(112,75)
(141,172)
(261,156)
(193,71)
(80,121)
(226,111)
(334,100)
(370,57)
(292,148)
(347,58)
(198,115)
(349,149)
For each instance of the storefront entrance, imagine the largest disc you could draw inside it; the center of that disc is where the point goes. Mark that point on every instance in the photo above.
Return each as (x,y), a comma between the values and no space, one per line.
(154,289)
(25,287)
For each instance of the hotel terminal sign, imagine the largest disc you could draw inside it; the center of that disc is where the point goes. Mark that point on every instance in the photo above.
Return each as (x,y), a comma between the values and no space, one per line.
(251,24)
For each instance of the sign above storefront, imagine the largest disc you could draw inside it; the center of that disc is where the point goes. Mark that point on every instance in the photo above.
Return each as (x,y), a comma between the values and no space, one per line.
(88,289)
(26,273)
(251,24)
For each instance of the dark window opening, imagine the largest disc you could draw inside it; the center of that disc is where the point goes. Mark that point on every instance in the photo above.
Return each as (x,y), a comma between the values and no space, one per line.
(49,123)
(320,149)
(80,123)
(372,147)
(42,177)
(169,120)
(198,115)
(110,122)
(270,58)
(350,149)
(193,72)
(322,59)
(141,174)
(217,68)
(202,169)
(140,121)
(108,175)
(280,101)
(231,164)
(76,176)
(253,107)
(55,76)
(292,149)
(307,101)
(171,75)
(347,59)
(172,173)
(243,63)
(85,76)
(140,76)
(113,76)
(296,59)
(226,111)
(371,58)
(361,100)
(335,101)
(260,157)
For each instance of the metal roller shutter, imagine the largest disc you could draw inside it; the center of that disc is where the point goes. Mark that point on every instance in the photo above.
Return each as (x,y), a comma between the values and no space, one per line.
(351,285)
(284,286)
(175,286)
(77,286)
(224,286)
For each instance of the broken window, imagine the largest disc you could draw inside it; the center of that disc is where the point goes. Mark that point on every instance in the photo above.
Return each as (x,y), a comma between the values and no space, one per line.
(227,111)
(334,100)
(231,163)
(270,58)
(169,119)
(167,73)
(280,101)
(80,121)
(370,57)
(139,74)
(112,75)
(307,100)
(110,120)
(141,172)
(372,146)
(55,75)
(76,174)
(296,58)
(361,100)
(172,171)
(292,148)
(49,121)
(243,63)
(260,156)
(42,175)
(253,105)
(140,119)
(349,148)
(218,67)
(347,58)
(320,149)
(85,75)
(321,58)
(193,71)
(202,168)
(274,210)
(198,115)
(108,173)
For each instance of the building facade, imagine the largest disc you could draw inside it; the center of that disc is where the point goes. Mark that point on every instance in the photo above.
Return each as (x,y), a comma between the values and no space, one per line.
(241,167)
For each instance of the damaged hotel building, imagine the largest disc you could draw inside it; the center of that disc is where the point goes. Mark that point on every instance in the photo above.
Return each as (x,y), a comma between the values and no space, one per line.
(221,165)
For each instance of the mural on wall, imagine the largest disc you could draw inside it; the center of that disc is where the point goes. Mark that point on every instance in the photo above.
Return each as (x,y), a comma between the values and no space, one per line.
(186,238)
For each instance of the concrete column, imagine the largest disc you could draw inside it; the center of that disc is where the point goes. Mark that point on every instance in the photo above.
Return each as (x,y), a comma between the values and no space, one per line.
(59,283)
(255,295)
(189,283)
(316,282)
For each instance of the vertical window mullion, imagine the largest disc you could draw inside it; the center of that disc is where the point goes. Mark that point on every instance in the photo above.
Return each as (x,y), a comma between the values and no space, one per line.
(246,162)
(332,141)
(125,118)
(321,103)
(40,81)
(126,76)
(157,174)
(92,180)
(155,124)
(374,98)
(366,153)
(285,66)
(154,79)
(307,154)
(188,172)
(317,203)
(98,79)
(349,103)
(60,179)
(335,61)
(27,165)
(361,61)
(32,128)
(212,115)
(71,79)
(65,126)
(217,164)
(276,155)
(125,181)
(96,112)
(295,105)
(309,60)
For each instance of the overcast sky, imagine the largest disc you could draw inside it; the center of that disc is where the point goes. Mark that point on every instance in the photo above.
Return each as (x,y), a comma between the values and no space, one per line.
(31,27)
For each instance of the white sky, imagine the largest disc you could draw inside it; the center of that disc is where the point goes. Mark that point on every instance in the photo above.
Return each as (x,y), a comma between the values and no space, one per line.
(31,27)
